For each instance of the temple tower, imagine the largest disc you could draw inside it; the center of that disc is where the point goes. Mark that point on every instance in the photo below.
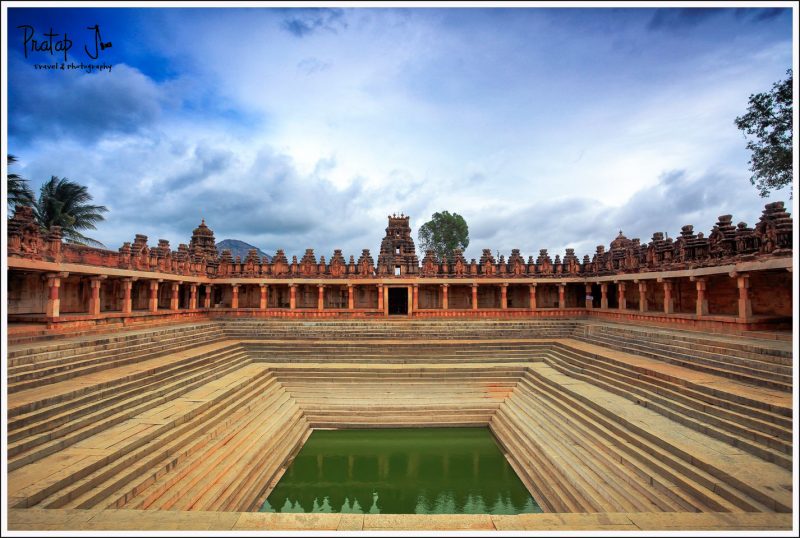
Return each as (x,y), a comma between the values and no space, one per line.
(398,255)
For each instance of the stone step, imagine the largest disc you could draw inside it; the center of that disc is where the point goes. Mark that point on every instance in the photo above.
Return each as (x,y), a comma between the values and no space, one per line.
(764,446)
(66,369)
(748,375)
(63,417)
(65,345)
(655,385)
(28,450)
(673,335)
(720,477)
(212,401)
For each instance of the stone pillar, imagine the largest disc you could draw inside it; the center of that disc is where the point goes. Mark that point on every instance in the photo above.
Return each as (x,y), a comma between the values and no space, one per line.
(415,297)
(380,296)
(474,296)
(263,301)
(350,296)
(94,297)
(207,298)
(174,299)
(153,298)
(503,296)
(410,299)
(532,299)
(444,297)
(235,296)
(702,299)
(127,300)
(604,295)
(192,296)
(562,290)
(53,300)
(292,296)
(622,302)
(588,290)
(669,303)
(643,306)
(321,297)
(745,306)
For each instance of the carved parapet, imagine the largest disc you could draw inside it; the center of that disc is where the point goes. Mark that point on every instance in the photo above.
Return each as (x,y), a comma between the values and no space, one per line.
(366,266)
(774,230)
(430,265)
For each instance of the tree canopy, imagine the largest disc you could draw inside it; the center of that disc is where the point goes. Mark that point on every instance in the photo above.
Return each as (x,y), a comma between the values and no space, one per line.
(769,120)
(444,233)
(18,191)
(65,203)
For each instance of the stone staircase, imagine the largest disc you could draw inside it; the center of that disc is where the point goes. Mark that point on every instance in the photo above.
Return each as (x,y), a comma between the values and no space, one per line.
(579,449)
(757,362)
(749,424)
(249,329)
(181,440)
(377,351)
(38,427)
(32,366)
(357,396)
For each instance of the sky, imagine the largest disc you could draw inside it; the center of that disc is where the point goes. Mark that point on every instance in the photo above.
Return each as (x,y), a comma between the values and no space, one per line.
(545,128)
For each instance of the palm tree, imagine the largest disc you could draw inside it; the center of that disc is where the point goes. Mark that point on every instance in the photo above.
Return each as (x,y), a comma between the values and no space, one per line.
(65,203)
(18,191)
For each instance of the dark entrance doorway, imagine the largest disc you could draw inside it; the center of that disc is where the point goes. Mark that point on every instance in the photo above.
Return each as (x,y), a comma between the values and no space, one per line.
(398,301)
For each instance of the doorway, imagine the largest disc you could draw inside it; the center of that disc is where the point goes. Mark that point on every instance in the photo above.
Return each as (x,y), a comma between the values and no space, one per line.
(398,301)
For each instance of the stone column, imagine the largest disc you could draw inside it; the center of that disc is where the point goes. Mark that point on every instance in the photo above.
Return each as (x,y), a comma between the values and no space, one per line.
(532,299)
(702,300)
(127,300)
(53,300)
(444,297)
(745,306)
(415,297)
(474,296)
(350,296)
(380,296)
(410,293)
(604,295)
(321,297)
(153,298)
(207,298)
(174,299)
(234,296)
(622,302)
(562,290)
(192,296)
(292,296)
(263,301)
(643,306)
(94,298)
(503,296)
(669,303)
(588,290)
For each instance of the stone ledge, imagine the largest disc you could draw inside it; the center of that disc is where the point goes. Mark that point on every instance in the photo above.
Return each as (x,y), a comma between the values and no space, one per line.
(135,520)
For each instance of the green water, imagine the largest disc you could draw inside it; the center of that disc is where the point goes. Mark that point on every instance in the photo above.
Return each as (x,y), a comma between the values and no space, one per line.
(401,471)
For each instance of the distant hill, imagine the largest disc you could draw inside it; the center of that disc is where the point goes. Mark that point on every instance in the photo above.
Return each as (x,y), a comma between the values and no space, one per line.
(239,248)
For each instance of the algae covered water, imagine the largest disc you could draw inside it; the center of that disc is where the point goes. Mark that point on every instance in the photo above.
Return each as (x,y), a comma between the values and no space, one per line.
(401,471)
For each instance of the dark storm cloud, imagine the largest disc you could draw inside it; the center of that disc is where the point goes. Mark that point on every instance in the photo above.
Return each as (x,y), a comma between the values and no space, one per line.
(81,106)
(305,22)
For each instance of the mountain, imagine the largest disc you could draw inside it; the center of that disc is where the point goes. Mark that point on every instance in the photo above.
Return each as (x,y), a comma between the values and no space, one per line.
(239,248)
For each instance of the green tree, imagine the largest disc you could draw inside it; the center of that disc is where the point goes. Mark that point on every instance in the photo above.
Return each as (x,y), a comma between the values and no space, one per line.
(444,233)
(18,191)
(65,203)
(769,120)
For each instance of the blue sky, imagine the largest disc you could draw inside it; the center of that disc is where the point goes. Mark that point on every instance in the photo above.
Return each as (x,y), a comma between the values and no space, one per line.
(304,128)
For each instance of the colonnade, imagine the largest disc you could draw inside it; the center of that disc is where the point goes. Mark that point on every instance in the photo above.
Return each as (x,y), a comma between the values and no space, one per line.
(664,293)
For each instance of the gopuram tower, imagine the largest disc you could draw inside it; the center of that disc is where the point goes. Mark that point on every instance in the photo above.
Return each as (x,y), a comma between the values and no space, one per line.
(398,255)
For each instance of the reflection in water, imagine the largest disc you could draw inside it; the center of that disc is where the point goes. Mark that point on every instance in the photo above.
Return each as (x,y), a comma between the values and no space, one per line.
(401,471)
